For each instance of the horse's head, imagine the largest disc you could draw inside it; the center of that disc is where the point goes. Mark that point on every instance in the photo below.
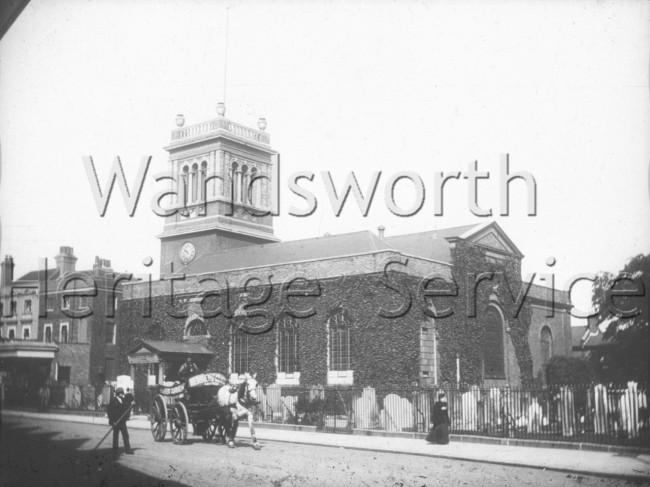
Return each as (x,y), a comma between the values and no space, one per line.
(248,390)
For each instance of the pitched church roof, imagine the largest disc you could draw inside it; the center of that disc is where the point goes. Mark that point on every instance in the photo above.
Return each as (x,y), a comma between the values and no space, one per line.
(429,245)
(432,245)
(287,252)
(543,294)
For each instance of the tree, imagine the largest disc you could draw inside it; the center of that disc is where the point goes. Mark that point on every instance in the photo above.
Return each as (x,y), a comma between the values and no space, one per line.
(622,302)
(568,370)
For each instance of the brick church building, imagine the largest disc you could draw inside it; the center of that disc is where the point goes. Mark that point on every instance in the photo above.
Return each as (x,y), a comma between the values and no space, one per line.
(357,309)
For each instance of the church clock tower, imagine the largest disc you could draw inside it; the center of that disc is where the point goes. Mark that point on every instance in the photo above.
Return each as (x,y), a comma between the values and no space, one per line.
(223,190)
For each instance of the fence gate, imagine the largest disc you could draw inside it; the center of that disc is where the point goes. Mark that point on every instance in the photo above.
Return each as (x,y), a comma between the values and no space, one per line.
(338,416)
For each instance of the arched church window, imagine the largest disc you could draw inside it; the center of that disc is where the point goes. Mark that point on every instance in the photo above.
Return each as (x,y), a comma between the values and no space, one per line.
(202,185)
(195,182)
(184,186)
(338,326)
(196,327)
(244,184)
(288,358)
(493,344)
(240,345)
(235,184)
(255,185)
(546,344)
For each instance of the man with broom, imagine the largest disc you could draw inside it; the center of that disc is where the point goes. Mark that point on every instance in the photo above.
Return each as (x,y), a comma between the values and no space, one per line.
(118,410)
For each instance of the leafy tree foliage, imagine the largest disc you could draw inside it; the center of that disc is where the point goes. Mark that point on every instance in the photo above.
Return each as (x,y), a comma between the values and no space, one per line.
(561,369)
(622,301)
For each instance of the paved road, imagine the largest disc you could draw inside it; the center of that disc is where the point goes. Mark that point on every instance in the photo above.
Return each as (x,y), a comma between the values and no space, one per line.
(52,453)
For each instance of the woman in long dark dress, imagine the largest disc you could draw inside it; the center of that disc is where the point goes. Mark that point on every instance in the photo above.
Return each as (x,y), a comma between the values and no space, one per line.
(440,418)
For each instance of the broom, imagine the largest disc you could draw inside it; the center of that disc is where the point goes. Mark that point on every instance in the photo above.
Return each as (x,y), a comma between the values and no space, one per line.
(112,426)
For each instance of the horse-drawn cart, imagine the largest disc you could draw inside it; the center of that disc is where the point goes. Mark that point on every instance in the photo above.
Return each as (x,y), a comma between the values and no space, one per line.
(187,403)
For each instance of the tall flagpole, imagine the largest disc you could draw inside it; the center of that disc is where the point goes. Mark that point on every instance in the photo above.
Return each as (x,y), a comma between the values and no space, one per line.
(225,58)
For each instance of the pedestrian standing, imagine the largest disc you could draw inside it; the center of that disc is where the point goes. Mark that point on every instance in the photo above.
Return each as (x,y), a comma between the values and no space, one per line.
(440,418)
(118,409)
(128,401)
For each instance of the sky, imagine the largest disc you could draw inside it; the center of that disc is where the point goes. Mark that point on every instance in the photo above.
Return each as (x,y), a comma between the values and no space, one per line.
(361,86)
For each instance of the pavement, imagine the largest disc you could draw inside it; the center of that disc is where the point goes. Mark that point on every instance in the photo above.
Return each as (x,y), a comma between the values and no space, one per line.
(629,465)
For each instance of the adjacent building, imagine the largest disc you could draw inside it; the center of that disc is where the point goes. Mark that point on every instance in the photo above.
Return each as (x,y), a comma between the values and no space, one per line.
(59,324)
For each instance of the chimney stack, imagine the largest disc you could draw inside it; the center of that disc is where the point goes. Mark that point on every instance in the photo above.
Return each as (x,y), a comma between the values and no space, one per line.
(7,272)
(66,260)
(101,265)
(381,230)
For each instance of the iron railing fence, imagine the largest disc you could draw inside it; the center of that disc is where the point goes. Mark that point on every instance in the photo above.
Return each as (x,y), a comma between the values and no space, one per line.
(575,413)
(601,414)
(77,397)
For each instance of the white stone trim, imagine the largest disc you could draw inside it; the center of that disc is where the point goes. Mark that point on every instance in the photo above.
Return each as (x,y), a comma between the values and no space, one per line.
(288,378)
(340,377)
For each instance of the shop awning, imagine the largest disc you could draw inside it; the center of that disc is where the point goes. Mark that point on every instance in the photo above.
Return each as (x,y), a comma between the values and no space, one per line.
(27,349)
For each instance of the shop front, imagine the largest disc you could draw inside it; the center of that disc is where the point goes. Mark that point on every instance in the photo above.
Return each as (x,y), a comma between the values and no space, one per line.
(25,367)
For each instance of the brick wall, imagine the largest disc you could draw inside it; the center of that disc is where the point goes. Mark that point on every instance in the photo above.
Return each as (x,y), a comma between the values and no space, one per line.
(77,357)
(560,326)
(385,351)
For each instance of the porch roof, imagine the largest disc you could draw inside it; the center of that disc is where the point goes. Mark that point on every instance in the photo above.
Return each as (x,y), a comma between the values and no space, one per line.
(168,347)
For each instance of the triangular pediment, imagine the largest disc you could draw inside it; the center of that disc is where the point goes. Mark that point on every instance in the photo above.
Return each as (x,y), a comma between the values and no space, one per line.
(142,350)
(492,236)
(491,239)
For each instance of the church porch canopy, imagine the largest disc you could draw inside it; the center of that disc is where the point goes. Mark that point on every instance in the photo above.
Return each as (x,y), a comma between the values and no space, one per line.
(163,358)
(156,351)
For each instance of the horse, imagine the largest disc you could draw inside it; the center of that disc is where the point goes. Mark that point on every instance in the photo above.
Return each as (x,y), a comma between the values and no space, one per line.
(235,403)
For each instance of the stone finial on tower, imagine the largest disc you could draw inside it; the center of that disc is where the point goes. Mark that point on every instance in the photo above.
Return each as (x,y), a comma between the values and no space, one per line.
(261,124)
(180,120)
(380,230)
(221,109)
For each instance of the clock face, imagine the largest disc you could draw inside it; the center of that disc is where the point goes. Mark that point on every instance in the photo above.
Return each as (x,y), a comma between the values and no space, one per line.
(187,252)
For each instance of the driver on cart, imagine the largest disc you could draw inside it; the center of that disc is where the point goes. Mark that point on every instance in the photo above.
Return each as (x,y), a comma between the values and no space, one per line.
(187,370)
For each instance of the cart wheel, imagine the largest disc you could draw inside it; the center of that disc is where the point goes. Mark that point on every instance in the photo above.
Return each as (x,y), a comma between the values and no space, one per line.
(179,421)
(158,417)
(210,429)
